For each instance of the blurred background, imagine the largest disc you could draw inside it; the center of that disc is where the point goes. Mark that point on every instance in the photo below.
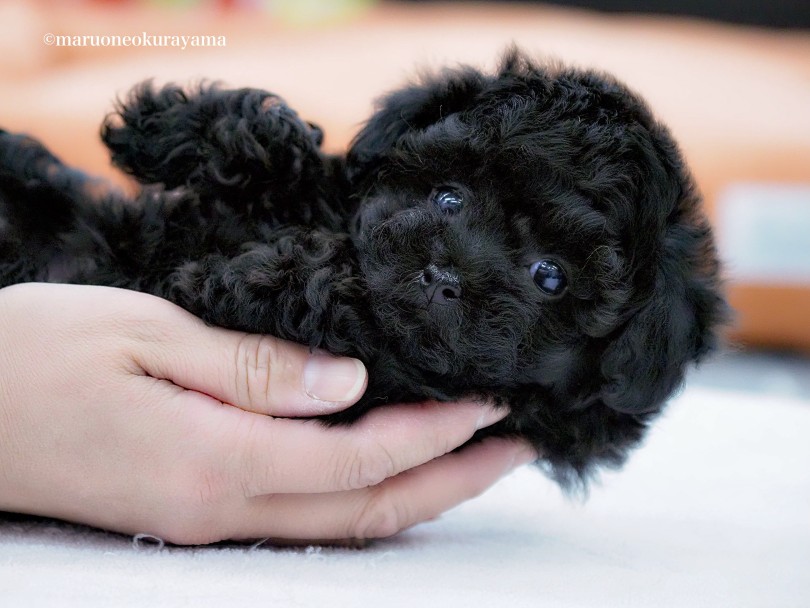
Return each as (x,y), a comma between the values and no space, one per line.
(732,80)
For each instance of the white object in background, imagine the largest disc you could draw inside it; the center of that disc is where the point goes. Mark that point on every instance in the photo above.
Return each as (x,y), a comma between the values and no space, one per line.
(763,232)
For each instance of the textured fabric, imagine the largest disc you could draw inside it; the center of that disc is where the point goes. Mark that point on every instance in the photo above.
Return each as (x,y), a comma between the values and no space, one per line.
(713,511)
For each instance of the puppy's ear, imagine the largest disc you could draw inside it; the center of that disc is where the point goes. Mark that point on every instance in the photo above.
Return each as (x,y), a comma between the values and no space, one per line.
(411,109)
(679,308)
(649,358)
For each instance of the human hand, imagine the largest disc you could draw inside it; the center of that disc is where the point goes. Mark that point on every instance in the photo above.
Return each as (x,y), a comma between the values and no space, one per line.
(122,411)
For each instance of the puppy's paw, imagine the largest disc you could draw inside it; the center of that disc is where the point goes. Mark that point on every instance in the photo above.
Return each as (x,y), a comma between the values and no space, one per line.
(211,140)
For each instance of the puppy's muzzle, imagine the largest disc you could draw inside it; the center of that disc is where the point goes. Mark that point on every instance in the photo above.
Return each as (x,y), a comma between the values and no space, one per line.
(441,285)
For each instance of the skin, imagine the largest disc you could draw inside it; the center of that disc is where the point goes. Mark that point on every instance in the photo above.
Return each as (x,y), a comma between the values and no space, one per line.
(121,410)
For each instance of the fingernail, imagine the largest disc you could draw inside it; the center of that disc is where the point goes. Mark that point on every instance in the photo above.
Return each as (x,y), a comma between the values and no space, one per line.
(490,415)
(328,378)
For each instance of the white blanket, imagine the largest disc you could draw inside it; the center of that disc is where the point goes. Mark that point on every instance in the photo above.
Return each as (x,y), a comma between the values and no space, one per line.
(713,511)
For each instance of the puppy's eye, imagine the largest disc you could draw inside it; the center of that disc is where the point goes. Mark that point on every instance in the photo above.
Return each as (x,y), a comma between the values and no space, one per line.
(549,277)
(447,200)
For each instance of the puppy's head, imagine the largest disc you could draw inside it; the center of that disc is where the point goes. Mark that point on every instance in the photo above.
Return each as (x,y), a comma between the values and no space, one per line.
(535,230)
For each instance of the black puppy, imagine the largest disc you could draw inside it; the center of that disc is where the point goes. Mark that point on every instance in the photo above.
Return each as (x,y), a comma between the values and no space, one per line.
(531,235)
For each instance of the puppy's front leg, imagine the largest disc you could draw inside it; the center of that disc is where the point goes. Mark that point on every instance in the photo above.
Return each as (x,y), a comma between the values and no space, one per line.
(233,145)
(302,287)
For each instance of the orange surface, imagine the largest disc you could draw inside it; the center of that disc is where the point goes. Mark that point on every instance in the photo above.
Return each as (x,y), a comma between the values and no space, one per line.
(736,98)
(773,316)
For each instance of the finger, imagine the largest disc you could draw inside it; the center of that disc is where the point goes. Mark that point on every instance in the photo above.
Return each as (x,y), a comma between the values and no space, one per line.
(415,496)
(257,373)
(296,456)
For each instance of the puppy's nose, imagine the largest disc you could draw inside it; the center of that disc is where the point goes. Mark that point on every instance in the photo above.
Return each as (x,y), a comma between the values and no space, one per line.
(441,285)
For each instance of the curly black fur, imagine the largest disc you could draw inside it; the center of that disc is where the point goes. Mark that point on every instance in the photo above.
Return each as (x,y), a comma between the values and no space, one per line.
(245,222)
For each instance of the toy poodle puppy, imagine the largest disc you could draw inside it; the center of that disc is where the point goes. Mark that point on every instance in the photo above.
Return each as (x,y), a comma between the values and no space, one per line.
(531,236)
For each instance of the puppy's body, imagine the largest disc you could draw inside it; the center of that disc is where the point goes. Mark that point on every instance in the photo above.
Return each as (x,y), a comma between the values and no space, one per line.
(531,235)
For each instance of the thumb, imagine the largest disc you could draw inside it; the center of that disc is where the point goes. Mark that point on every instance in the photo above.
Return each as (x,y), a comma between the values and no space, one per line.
(258,373)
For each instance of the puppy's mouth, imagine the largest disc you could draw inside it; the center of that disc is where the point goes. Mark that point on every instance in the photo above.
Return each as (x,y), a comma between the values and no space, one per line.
(420,310)
(449,337)
(442,324)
